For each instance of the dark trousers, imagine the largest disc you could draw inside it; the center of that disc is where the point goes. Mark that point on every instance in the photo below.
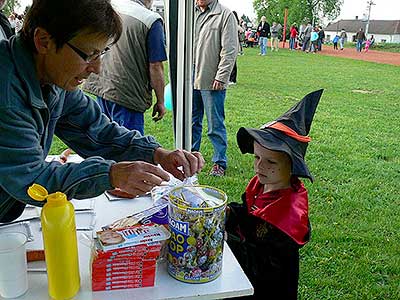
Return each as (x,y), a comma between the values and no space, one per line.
(306,43)
(233,76)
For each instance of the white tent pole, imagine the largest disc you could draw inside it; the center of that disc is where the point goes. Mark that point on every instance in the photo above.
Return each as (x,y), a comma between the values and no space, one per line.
(182,39)
(188,74)
(180,75)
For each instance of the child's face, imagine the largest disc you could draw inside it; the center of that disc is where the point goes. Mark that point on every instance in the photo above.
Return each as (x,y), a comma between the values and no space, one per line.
(271,167)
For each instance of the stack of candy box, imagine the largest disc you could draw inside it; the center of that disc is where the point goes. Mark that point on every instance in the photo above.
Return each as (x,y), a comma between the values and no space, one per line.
(126,257)
(131,267)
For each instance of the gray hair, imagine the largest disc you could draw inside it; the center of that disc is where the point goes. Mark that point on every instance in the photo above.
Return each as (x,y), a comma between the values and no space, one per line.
(2,4)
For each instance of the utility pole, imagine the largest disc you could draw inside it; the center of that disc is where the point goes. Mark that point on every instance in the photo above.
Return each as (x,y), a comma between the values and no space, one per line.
(284,26)
(370,3)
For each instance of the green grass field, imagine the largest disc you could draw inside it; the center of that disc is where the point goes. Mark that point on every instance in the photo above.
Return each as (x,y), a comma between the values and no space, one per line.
(354,252)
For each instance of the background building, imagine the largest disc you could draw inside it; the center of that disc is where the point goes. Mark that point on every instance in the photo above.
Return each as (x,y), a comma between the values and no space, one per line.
(384,31)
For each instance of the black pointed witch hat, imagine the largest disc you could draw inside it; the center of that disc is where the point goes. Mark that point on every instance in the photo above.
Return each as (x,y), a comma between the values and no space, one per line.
(288,134)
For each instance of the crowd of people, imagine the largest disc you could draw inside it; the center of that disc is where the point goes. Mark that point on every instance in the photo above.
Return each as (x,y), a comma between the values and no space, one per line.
(307,38)
(362,42)
(16,21)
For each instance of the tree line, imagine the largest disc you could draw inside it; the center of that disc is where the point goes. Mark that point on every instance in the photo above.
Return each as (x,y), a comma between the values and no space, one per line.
(299,11)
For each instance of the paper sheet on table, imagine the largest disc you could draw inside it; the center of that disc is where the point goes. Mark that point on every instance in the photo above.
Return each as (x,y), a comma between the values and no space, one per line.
(86,204)
(73,158)
(85,220)
(112,197)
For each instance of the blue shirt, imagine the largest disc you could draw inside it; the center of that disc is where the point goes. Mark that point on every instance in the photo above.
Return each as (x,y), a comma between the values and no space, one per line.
(314,36)
(156,43)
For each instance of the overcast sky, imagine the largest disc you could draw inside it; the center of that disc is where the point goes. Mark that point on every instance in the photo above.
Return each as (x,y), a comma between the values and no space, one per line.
(383,10)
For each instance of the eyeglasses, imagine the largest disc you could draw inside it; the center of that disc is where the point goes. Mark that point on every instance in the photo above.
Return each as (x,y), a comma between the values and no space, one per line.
(88,58)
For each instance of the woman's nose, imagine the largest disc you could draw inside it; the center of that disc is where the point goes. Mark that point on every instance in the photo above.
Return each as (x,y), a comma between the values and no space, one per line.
(94,66)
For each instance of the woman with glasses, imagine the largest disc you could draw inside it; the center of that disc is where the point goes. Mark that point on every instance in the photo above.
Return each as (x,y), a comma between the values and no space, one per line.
(40,71)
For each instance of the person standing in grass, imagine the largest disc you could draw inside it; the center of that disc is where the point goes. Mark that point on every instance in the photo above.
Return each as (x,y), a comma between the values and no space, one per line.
(343,38)
(307,37)
(314,40)
(360,39)
(275,31)
(266,230)
(335,42)
(293,36)
(233,76)
(321,37)
(263,31)
(215,50)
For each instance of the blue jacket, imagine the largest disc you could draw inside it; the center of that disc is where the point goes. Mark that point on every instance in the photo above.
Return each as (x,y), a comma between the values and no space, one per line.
(30,115)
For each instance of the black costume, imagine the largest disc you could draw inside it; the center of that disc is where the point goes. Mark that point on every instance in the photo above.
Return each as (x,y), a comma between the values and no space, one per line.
(266,230)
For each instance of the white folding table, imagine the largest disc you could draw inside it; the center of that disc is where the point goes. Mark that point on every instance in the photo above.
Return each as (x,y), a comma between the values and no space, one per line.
(231,283)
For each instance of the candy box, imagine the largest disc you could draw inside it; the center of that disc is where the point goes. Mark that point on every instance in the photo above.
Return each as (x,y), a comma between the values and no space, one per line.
(131,236)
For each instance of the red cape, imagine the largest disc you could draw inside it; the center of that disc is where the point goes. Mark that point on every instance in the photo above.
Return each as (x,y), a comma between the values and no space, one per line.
(286,209)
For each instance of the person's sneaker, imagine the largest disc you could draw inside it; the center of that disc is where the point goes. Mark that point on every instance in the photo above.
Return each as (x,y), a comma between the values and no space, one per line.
(231,83)
(217,171)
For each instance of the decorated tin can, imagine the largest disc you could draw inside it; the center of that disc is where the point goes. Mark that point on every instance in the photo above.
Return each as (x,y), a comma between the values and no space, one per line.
(197,225)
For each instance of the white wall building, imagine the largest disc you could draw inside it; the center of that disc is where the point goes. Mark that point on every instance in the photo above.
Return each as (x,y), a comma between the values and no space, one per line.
(384,31)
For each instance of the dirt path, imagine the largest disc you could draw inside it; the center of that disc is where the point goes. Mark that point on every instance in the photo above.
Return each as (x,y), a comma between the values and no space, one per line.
(372,55)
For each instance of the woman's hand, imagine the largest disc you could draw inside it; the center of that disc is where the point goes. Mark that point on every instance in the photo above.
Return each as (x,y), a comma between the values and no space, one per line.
(136,177)
(180,163)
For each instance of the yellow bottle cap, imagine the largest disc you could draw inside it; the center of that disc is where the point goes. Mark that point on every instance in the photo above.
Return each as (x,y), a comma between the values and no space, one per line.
(37,192)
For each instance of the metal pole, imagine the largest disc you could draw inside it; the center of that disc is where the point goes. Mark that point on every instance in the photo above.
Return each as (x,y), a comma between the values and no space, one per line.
(370,3)
(180,41)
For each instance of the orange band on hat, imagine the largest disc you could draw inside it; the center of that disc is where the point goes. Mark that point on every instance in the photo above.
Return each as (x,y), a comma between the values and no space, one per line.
(289,132)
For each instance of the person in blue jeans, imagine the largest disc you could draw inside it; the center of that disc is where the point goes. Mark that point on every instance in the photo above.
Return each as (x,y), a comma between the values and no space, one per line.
(263,30)
(215,50)
(360,38)
(212,103)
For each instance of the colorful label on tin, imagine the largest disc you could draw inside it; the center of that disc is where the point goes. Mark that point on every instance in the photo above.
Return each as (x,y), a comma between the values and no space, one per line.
(179,234)
(195,246)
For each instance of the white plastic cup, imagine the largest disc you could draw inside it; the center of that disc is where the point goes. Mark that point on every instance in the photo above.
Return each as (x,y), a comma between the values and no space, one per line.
(13,265)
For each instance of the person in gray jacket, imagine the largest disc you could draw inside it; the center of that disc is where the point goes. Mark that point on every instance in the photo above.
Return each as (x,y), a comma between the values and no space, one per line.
(307,37)
(40,71)
(215,50)
(133,68)
(275,32)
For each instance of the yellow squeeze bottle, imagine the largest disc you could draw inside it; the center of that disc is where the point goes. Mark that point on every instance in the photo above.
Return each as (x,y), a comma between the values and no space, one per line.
(60,243)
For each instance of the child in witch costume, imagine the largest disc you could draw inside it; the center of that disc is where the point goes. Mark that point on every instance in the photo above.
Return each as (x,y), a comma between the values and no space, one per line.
(267,230)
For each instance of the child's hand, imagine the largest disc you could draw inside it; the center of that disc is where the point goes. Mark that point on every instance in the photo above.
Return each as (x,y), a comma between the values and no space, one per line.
(64,155)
